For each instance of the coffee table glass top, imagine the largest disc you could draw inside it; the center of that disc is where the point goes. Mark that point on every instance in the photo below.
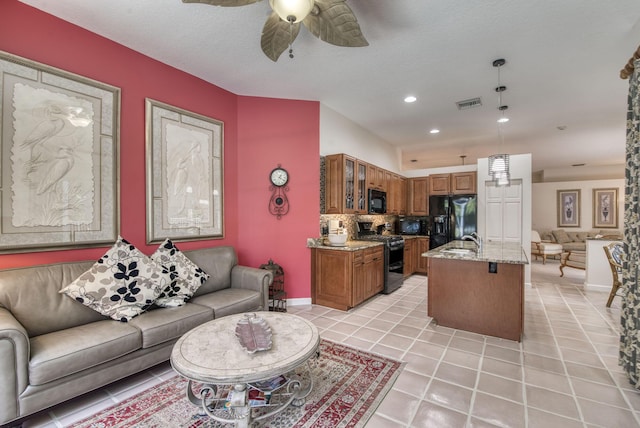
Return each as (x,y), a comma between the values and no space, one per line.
(211,352)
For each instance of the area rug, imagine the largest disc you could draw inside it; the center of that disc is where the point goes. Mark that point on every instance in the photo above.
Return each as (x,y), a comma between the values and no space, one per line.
(349,384)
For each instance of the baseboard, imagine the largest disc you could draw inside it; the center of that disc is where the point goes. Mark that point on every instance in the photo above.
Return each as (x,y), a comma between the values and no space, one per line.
(299,301)
(597,287)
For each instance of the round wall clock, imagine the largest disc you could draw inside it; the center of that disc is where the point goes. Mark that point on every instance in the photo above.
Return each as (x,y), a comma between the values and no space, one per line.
(278,203)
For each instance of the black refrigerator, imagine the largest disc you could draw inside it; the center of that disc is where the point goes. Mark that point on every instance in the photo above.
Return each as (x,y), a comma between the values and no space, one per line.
(451,217)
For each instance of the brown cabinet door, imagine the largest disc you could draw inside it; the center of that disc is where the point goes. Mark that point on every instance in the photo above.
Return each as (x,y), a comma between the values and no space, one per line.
(423,247)
(463,183)
(439,184)
(333,278)
(417,196)
(409,257)
(401,186)
(333,194)
(374,274)
(359,279)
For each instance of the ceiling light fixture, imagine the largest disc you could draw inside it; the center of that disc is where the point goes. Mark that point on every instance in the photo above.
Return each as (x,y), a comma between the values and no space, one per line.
(434,131)
(292,11)
(499,164)
(410,99)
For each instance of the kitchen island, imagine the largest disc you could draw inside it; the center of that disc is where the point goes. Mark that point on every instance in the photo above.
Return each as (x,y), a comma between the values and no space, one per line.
(478,290)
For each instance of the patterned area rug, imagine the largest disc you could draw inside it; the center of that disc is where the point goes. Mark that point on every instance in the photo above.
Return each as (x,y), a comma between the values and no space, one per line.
(349,384)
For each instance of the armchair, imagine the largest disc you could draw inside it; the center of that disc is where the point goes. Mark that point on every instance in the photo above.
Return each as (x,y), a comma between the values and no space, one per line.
(543,248)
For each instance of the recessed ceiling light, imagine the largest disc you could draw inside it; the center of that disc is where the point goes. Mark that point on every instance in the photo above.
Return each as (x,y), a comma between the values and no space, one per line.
(578,164)
(434,131)
(414,160)
(503,120)
(410,99)
(561,127)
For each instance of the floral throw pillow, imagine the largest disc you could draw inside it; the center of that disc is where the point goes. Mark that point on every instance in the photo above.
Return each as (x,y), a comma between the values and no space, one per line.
(186,276)
(122,284)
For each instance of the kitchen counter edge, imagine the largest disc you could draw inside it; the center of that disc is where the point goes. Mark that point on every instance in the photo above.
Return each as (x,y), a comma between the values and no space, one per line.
(348,246)
(498,252)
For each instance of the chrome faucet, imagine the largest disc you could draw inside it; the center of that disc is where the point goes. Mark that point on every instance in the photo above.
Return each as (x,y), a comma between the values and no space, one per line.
(475,238)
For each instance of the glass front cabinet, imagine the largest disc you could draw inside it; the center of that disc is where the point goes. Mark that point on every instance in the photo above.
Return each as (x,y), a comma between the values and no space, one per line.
(346,185)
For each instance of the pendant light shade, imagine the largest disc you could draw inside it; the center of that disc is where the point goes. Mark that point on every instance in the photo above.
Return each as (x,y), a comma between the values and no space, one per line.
(499,164)
(292,10)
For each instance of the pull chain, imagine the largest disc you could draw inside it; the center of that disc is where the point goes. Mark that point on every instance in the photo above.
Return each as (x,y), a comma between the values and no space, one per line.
(291,19)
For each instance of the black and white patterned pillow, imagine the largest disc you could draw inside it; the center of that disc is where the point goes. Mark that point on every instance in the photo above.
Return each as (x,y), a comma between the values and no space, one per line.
(122,284)
(186,276)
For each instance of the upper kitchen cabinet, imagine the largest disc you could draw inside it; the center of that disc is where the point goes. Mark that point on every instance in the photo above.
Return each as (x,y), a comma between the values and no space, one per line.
(463,183)
(345,185)
(418,196)
(457,183)
(396,193)
(439,184)
(376,177)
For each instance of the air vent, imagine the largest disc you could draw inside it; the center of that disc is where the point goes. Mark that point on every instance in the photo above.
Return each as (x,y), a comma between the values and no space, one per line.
(467,104)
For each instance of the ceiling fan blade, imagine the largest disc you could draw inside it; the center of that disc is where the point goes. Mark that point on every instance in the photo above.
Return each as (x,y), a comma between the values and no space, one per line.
(277,35)
(224,3)
(333,21)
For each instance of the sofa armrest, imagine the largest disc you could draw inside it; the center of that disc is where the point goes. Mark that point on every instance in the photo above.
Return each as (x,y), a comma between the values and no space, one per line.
(14,362)
(253,279)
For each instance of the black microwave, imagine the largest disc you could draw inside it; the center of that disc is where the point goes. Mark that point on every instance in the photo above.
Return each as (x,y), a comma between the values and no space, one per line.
(377,202)
(413,226)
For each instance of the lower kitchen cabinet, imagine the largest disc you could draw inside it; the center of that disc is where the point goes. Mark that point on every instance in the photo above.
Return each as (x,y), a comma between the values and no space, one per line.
(413,260)
(422,246)
(409,257)
(344,279)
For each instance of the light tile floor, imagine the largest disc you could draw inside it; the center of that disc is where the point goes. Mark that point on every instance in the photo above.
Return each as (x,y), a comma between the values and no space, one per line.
(563,374)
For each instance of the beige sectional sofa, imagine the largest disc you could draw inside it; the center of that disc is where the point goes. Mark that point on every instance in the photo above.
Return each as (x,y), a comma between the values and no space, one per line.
(53,348)
(577,241)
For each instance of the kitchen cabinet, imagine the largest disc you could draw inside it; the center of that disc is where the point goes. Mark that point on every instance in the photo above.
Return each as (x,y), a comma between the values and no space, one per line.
(373,272)
(418,196)
(457,183)
(464,183)
(396,194)
(345,185)
(409,257)
(344,279)
(422,246)
(375,177)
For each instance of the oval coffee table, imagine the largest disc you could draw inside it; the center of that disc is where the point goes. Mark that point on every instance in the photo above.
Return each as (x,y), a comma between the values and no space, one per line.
(211,354)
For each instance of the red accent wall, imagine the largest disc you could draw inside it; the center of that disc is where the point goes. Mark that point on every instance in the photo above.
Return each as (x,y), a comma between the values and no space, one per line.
(285,132)
(259,133)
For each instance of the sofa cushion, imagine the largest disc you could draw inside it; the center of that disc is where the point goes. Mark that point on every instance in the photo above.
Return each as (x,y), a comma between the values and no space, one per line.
(218,263)
(561,236)
(122,284)
(574,246)
(582,236)
(32,296)
(61,353)
(186,276)
(230,301)
(573,236)
(166,324)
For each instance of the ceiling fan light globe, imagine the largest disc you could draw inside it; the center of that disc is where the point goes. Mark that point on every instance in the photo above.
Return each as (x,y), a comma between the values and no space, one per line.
(292,10)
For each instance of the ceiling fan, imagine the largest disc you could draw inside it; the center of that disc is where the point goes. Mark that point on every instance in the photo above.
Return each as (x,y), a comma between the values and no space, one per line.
(331,21)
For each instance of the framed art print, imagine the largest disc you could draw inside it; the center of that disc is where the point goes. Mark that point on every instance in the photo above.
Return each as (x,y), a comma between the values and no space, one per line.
(605,208)
(568,208)
(184,174)
(59,158)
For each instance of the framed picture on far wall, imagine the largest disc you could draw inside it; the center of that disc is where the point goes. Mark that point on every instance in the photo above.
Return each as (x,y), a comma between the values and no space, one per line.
(569,208)
(605,208)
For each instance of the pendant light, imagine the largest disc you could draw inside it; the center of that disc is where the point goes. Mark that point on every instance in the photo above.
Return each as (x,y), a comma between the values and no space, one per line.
(499,163)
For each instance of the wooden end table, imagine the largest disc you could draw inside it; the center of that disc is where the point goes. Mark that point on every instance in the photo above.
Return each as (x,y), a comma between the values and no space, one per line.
(212,355)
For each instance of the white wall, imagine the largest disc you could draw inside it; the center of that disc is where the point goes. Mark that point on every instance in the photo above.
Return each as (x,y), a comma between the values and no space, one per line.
(341,135)
(545,206)
(520,168)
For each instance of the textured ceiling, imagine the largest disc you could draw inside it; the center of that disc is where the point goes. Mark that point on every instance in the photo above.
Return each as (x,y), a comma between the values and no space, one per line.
(563,59)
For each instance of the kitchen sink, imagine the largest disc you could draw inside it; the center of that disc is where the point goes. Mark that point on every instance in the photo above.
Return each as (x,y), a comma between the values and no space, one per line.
(458,251)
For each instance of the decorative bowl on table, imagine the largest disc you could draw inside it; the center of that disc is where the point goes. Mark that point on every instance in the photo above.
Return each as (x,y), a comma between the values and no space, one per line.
(337,239)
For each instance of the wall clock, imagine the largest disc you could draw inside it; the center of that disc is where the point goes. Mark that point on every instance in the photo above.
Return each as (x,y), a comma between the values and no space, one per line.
(278,203)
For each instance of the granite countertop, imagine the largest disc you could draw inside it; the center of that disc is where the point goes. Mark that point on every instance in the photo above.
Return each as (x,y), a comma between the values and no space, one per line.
(348,246)
(498,252)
